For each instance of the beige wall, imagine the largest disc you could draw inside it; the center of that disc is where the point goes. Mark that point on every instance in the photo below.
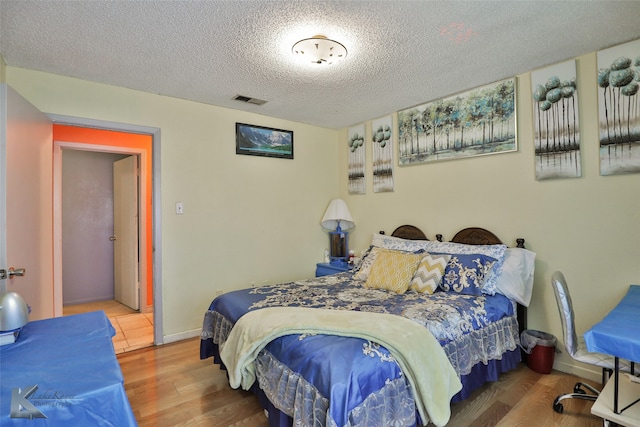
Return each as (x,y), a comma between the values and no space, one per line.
(247,219)
(3,69)
(587,227)
(250,219)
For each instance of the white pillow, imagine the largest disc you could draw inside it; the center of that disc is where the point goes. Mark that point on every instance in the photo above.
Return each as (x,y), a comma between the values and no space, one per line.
(516,280)
(364,268)
(398,244)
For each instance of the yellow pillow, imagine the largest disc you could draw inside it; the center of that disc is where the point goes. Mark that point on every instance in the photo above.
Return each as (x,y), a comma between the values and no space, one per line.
(393,271)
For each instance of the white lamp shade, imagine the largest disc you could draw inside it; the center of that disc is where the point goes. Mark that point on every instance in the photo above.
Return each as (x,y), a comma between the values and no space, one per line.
(337,213)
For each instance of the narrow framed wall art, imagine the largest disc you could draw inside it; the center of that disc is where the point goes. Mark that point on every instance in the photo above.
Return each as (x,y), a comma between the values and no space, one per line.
(618,108)
(556,122)
(356,159)
(382,142)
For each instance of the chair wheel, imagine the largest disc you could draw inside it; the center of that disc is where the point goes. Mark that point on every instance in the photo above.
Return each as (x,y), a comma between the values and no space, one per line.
(558,407)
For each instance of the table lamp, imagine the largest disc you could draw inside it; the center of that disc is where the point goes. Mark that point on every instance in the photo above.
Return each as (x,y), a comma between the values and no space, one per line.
(14,314)
(338,219)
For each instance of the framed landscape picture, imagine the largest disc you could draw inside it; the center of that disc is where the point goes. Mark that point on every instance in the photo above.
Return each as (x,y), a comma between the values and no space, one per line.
(263,141)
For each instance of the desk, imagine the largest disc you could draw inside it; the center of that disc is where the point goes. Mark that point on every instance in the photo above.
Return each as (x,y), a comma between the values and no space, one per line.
(72,362)
(618,335)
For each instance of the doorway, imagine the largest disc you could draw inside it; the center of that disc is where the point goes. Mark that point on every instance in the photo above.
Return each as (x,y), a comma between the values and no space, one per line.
(88,226)
(69,138)
(100,243)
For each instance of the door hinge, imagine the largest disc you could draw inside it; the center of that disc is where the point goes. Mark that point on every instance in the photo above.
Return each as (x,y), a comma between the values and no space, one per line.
(3,274)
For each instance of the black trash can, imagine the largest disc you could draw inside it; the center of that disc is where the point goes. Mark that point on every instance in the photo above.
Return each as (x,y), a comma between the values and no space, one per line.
(541,348)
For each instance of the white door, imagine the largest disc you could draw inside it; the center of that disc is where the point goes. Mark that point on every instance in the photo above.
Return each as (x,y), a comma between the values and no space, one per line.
(125,230)
(26,202)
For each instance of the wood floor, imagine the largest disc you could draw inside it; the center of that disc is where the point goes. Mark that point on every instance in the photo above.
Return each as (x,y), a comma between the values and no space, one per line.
(134,330)
(170,386)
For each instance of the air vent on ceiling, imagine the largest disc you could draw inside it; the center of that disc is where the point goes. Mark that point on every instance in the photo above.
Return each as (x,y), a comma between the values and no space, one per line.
(249,100)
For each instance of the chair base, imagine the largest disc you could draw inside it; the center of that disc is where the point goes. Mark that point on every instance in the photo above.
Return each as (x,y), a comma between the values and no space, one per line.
(578,393)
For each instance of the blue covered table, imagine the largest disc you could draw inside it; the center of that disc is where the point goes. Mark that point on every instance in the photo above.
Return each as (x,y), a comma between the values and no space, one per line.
(618,335)
(72,364)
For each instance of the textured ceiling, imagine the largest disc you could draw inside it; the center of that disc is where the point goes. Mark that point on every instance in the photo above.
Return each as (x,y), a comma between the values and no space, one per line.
(400,53)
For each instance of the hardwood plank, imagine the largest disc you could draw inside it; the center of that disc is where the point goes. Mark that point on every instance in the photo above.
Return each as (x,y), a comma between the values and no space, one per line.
(170,386)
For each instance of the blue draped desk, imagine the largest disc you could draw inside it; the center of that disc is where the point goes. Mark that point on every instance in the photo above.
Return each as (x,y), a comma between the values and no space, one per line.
(618,335)
(72,363)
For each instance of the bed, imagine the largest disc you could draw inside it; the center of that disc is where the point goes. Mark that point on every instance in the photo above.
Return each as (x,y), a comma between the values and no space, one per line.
(354,349)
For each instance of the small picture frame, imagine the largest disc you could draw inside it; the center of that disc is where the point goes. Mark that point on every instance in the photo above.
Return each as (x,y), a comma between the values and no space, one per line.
(263,141)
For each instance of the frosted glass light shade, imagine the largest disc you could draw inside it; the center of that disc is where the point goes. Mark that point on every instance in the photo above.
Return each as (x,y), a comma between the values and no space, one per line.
(319,50)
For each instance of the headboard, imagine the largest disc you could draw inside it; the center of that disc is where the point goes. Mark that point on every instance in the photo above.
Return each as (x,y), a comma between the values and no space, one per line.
(408,232)
(468,236)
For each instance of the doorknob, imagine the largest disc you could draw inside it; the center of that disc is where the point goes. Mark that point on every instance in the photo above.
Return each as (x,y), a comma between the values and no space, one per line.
(16,272)
(113,238)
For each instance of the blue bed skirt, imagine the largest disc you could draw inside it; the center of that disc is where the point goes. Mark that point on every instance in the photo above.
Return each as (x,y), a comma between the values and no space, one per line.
(480,374)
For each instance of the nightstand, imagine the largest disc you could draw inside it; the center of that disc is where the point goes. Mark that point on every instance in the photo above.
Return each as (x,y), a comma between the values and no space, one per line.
(324,268)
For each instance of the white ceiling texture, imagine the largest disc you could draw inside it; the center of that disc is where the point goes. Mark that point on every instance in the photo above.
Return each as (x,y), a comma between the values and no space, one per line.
(400,53)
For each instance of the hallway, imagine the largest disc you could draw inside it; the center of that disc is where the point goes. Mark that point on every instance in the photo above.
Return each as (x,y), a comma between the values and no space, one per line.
(133,330)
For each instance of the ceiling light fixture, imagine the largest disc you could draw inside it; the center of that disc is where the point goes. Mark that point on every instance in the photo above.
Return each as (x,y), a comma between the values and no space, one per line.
(319,50)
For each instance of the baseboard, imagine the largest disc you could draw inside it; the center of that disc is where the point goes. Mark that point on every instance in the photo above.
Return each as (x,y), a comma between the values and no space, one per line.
(590,372)
(181,336)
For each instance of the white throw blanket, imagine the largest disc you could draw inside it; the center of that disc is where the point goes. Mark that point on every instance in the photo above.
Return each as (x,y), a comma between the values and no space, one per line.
(432,378)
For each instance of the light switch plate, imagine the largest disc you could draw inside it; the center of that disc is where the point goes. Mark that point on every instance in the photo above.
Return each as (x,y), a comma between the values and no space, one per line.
(179,208)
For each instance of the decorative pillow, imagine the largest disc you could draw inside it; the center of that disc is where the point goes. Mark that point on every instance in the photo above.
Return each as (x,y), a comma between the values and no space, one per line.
(494,251)
(516,280)
(393,271)
(364,267)
(429,273)
(398,244)
(465,273)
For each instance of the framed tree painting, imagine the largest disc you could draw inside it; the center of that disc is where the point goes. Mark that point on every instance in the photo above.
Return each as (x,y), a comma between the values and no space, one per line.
(555,121)
(382,142)
(619,109)
(356,160)
(477,122)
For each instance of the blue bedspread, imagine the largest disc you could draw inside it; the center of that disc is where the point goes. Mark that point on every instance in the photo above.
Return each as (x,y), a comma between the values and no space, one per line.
(349,381)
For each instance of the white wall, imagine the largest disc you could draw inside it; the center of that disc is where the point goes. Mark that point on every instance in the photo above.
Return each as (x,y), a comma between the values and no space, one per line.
(247,219)
(252,219)
(589,227)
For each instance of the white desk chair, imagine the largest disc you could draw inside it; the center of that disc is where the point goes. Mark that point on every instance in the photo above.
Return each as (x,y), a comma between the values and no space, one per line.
(576,347)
